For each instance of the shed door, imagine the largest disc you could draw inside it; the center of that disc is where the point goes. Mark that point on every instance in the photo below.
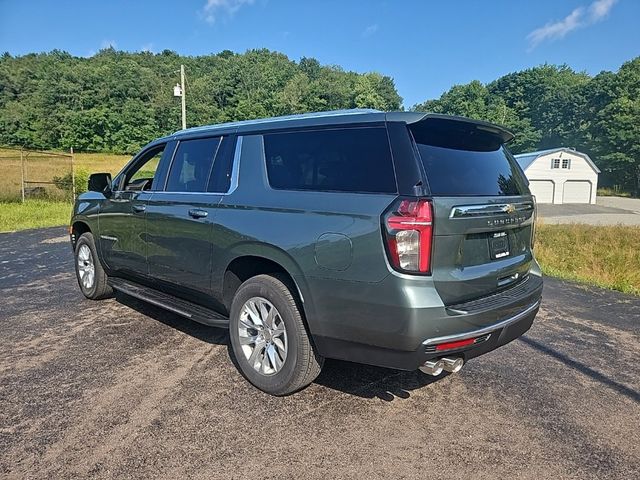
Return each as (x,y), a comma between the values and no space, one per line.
(576,191)
(543,190)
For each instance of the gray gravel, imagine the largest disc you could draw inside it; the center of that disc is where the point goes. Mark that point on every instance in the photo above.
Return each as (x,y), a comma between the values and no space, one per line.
(119,389)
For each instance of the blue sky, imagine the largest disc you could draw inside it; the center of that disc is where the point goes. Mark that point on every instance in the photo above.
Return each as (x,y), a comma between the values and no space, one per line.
(426,46)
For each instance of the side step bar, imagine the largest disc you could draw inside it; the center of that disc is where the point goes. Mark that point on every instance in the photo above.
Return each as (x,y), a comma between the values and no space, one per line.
(174,304)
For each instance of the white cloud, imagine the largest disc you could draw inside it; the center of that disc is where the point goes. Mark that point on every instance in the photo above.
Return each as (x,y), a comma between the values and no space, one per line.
(370,30)
(147,47)
(578,18)
(212,8)
(600,9)
(108,44)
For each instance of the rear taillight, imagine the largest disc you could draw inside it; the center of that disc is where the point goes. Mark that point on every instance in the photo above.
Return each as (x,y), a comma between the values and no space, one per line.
(409,232)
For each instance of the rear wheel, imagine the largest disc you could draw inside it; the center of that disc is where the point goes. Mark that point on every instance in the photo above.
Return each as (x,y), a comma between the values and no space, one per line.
(269,339)
(92,278)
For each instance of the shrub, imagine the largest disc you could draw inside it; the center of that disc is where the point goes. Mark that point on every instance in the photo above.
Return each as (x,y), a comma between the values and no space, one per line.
(81,181)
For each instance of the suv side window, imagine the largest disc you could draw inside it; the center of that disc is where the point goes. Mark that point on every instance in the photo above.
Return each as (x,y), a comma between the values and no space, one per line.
(191,165)
(140,176)
(344,160)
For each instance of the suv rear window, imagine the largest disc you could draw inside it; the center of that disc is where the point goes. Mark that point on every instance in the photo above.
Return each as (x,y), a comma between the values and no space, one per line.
(345,160)
(468,163)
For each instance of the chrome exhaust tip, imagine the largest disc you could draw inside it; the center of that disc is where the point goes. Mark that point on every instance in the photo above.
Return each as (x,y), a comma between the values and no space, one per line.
(432,367)
(452,365)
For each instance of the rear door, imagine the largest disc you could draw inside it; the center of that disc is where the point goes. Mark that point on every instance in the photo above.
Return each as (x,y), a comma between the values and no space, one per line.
(483,210)
(180,218)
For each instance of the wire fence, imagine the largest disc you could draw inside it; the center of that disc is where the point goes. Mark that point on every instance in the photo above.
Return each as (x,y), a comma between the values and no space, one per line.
(26,174)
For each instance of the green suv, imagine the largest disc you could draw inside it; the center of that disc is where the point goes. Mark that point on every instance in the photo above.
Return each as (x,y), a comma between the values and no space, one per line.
(401,239)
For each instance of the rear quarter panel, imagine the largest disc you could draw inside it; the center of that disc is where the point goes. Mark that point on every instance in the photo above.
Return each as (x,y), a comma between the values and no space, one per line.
(313,235)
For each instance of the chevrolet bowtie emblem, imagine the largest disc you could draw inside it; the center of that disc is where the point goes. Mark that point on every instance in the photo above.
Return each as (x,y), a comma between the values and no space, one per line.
(509,208)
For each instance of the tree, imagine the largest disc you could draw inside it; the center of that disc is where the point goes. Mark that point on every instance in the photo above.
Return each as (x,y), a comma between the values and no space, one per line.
(116,101)
(551,106)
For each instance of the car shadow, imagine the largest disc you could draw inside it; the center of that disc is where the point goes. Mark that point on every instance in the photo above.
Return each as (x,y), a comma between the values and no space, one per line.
(364,381)
(582,368)
(367,381)
(204,333)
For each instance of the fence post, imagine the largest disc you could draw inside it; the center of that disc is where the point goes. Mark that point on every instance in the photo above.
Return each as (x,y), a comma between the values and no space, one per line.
(22,173)
(73,178)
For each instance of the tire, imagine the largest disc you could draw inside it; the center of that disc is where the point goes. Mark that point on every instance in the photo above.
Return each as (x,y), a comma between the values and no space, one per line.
(87,264)
(301,364)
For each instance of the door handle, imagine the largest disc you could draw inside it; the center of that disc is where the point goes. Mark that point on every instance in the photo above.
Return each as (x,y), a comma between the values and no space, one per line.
(139,208)
(198,213)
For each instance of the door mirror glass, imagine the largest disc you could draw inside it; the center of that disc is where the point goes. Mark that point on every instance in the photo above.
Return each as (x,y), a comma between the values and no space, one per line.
(99,182)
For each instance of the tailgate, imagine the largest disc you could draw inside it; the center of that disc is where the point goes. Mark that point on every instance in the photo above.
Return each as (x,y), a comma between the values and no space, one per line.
(483,210)
(480,245)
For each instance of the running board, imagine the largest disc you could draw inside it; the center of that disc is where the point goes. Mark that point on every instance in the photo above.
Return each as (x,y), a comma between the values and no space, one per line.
(174,304)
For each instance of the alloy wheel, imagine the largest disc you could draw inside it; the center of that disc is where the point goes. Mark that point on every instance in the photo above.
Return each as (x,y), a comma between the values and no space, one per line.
(263,336)
(86,267)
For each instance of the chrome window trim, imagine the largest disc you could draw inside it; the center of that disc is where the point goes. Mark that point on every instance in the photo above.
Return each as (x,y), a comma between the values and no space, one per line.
(489,209)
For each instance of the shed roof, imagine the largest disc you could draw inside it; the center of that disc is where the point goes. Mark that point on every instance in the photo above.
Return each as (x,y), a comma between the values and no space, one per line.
(526,159)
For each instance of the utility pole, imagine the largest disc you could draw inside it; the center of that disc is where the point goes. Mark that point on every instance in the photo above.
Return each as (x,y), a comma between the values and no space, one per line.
(183,98)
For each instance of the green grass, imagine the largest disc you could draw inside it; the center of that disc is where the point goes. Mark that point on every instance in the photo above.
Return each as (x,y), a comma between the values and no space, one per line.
(607,257)
(610,192)
(33,214)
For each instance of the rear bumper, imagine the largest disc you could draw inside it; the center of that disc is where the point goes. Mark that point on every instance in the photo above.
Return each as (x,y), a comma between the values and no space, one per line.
(504,333)
(483,332)
(404,335)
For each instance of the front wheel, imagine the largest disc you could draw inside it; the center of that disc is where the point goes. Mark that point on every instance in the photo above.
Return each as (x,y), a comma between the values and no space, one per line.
(92,278)
(269,339)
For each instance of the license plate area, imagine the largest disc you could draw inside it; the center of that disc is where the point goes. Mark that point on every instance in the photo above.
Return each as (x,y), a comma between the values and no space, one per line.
(499,245)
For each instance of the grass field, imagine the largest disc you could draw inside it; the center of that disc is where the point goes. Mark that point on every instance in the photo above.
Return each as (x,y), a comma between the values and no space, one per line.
(42,168)
(605,256)
(33,214)
(44,213)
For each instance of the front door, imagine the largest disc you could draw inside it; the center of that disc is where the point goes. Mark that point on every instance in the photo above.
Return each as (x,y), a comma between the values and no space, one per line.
(123,214)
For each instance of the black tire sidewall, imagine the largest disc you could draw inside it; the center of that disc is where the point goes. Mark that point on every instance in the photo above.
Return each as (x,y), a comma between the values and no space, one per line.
(87,239)
(280,382)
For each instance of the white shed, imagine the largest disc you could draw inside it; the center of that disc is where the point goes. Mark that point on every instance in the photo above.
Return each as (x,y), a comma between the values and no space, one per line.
(560,175)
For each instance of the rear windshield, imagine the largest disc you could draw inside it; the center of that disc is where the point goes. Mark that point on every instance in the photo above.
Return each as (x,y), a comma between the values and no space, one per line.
(345,160)
(469,165)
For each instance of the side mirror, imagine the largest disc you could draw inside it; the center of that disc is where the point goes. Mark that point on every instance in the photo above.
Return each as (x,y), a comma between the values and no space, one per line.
(99,182)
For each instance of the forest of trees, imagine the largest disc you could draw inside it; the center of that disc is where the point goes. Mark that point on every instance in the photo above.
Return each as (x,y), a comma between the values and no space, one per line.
(117,101)
(551,106)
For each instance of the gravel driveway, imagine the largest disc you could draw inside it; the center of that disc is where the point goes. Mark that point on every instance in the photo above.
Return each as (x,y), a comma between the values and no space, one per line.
(606,211)
(119,389)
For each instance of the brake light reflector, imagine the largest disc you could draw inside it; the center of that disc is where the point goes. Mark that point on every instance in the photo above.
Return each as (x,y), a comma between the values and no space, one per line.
(409,232)
(457,344)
